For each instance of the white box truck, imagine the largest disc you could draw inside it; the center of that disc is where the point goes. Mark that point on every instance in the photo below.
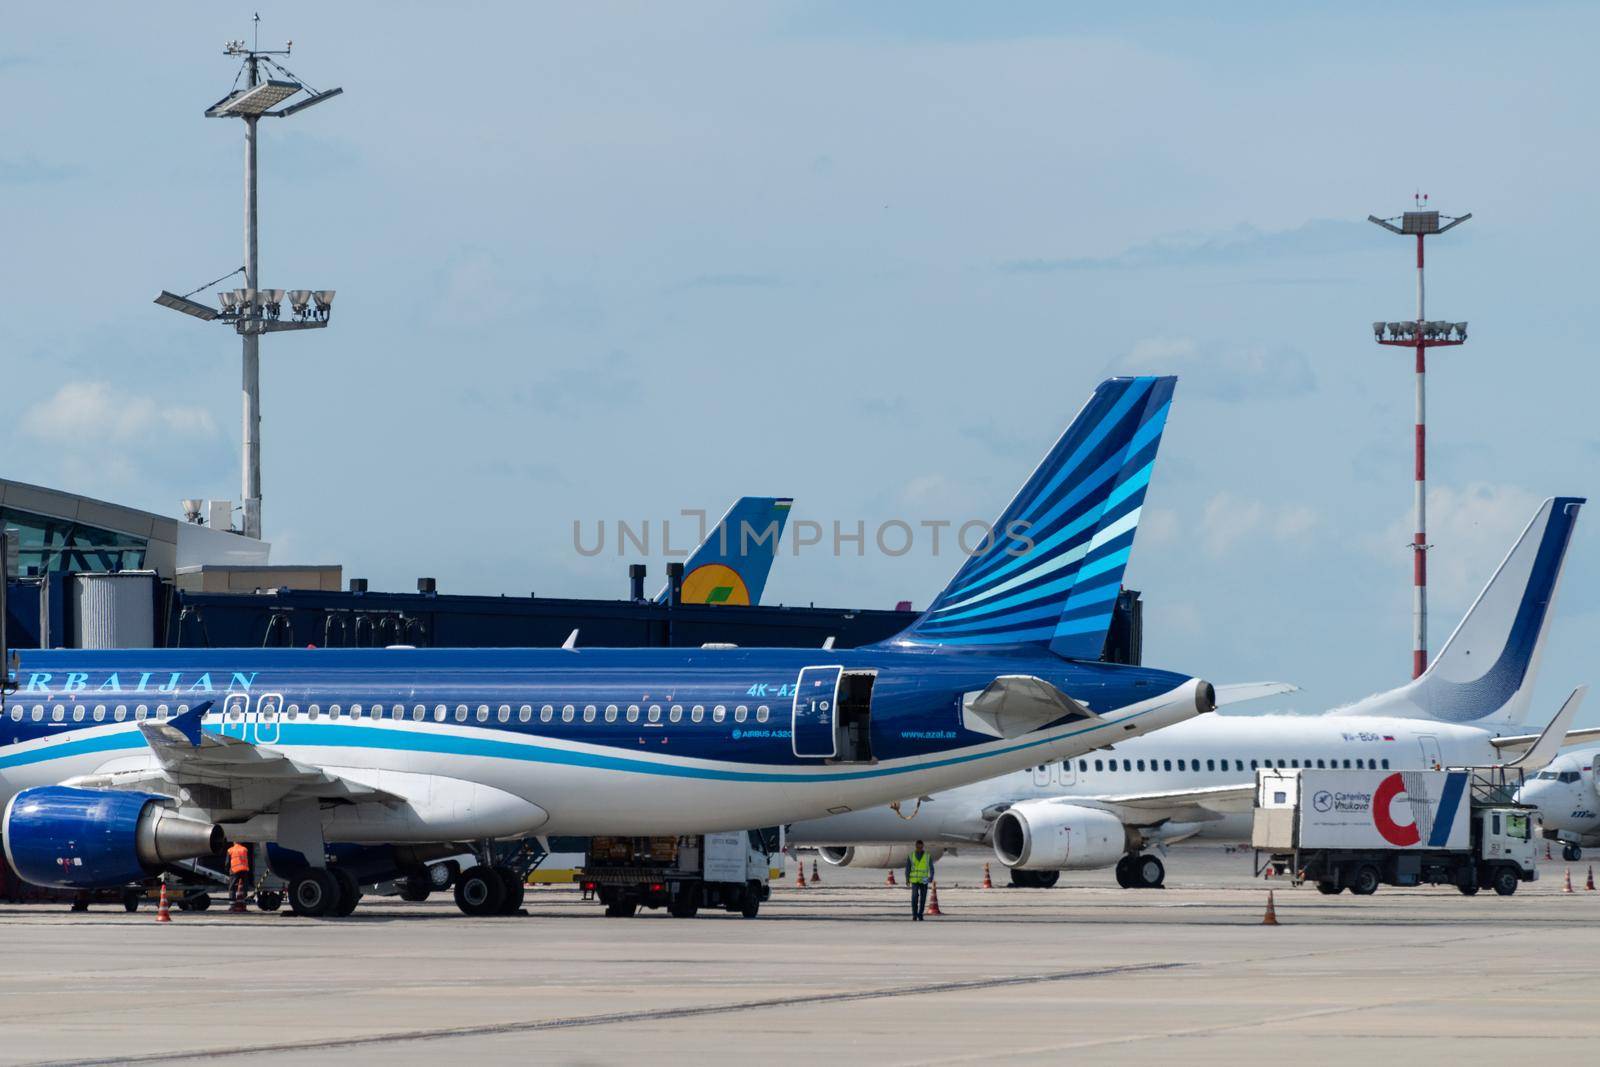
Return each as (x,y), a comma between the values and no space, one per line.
(682,874)
(1357,830)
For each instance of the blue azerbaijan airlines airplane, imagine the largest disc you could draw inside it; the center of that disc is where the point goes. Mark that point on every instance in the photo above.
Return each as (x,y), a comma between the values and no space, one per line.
(117,764)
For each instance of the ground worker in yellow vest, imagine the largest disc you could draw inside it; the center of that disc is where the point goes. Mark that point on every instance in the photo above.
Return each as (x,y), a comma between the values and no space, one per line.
(239,871)
(919,875)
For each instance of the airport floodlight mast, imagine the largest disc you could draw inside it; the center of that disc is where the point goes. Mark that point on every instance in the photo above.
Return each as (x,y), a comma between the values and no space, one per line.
(1421,335)
(252,310)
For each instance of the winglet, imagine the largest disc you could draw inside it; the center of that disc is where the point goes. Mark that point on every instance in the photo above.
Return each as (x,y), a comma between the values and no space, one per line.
(571,643)
(188,724)
(1554,736)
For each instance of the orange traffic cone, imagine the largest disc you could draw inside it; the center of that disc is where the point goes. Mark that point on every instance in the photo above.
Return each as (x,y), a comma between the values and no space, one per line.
(1589,883)
(890,880)
(987,884)
(1547,850)
(816,873)
(1269,872)
(933,899)
(1568,888)
(1271,917)
(800,874)
(163,914)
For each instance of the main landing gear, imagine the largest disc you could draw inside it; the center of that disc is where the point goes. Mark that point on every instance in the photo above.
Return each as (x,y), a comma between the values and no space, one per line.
(321,893)
(484,890)
(1033,879)
(1571,853)
(1140,870)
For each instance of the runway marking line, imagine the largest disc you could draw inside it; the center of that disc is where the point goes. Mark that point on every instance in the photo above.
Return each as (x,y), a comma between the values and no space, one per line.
(612,1018)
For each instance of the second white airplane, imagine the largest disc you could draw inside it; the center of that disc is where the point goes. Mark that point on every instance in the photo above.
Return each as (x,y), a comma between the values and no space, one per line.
(1197,778)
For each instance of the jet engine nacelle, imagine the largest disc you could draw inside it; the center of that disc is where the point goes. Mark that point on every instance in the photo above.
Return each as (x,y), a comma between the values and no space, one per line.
(881,857)
(70,838)
(1043,835)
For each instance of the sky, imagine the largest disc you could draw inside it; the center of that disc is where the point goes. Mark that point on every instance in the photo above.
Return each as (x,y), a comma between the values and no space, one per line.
(615,261)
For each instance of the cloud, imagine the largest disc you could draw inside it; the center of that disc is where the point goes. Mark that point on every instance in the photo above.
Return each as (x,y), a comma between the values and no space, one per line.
(1242,245)
(733,281)
(87,416)
(1471,528)
(611,381)
(1229,521)
(30,171)
(1223,372)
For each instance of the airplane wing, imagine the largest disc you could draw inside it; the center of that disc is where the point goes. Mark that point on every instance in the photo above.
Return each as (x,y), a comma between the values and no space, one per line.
(1239,692)
(1541,749)
(1519,742)
(1178,805)
(216,772)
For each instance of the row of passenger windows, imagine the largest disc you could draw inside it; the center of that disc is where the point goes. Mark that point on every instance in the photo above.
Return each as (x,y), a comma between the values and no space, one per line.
(419,712)
(1222,764)
(60,712)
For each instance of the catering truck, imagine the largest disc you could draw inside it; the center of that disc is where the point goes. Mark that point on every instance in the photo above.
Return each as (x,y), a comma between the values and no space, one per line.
(682,874)
(1359,829)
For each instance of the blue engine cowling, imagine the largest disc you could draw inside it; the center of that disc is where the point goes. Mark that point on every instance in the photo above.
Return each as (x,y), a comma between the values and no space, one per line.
(69,838)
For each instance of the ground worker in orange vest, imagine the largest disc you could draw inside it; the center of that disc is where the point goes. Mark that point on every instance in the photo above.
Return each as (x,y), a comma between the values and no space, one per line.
(239,869)
(919,875)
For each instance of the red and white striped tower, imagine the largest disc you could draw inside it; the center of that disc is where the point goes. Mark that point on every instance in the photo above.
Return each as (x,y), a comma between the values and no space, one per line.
(1422,335)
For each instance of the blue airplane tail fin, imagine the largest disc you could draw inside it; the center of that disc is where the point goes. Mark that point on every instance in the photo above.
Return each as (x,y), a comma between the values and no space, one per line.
(732,563)
(1050,573)
(1486,670)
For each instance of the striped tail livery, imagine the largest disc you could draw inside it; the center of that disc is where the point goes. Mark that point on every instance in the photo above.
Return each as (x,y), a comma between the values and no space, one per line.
(1050,573)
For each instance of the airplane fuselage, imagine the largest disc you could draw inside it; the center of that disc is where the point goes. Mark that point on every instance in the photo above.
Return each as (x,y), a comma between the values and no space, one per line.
(593,741)
(1218,750)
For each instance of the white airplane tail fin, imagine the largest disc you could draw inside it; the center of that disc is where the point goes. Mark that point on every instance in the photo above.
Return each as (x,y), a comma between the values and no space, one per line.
(1485,672)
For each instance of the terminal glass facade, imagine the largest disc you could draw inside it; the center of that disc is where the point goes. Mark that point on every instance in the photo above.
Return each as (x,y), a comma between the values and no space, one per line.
(47,545)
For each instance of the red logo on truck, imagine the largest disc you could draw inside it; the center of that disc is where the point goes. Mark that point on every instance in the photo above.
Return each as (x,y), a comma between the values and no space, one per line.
(1395,833)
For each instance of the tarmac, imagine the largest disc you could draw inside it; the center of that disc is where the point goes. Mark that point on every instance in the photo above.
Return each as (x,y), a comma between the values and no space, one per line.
(829,973)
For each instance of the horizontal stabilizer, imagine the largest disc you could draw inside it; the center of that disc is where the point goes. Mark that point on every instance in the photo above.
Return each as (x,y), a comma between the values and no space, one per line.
(1240,692)
(1018,704)
(1573,737)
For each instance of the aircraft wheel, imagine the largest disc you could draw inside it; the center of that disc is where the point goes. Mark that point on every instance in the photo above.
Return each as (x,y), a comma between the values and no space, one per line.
(416,887)
(1125,872)
(1571,853)
(444,875)
(1365,882)
(515,888)
(269,900)
(479,891)
(200,902)
(313,894)
(130,899)
(1504,881)
(1148,872)
(349,893)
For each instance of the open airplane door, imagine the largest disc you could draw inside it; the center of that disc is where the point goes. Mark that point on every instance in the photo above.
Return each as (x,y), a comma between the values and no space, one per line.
(816,703)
